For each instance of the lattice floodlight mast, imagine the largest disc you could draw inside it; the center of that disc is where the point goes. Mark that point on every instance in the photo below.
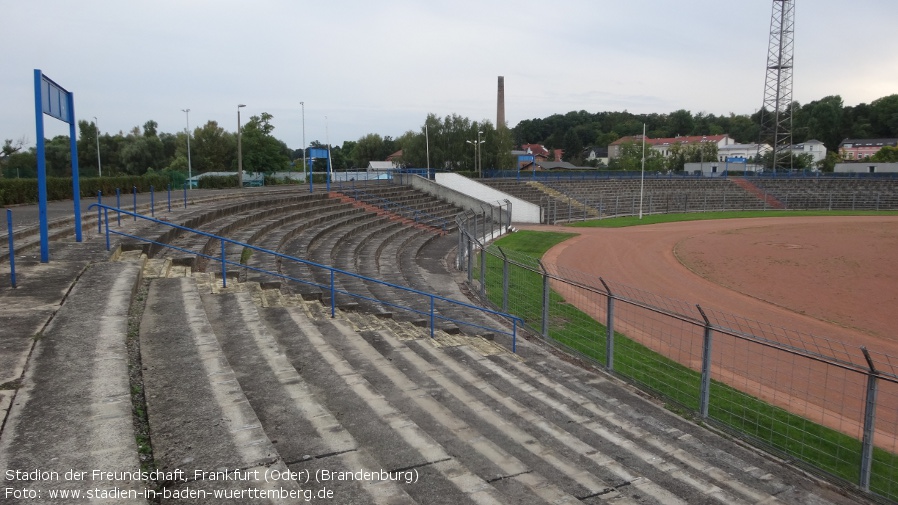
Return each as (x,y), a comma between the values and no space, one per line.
(776,113)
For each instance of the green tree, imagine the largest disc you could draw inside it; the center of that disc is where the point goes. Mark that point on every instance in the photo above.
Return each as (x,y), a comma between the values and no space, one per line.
(261,151)
(368,148)
(887,154)
(213,149)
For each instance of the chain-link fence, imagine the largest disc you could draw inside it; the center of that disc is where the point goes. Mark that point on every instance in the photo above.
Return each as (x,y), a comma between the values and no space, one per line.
(824,405)
(566,201)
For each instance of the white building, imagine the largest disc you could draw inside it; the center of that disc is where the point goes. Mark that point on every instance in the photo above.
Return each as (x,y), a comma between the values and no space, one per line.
(813,147)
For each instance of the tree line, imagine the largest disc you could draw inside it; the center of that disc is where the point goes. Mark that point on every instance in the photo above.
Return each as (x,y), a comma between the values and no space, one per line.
(828,120)
(449,142)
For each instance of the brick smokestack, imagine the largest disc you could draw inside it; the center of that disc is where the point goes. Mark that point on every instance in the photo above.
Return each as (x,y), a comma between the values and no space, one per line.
(500,106)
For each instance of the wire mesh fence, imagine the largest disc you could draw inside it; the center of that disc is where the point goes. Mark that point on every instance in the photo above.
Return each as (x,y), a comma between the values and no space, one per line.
(566,200)
(828,406)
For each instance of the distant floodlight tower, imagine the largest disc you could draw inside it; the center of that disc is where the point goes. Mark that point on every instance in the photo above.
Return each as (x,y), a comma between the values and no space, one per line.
(776,113)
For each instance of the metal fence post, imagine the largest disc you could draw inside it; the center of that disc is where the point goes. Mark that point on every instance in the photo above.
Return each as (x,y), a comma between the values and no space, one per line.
(12,249)
(483,273)
(134,193)
(152,202)
(545,315)
(609,327)
(118,205)
(705,391)
(504,280)
(470,258)
(169,197)
(869,423)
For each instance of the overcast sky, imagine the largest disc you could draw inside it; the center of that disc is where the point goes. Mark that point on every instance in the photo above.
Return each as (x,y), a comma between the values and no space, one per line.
(382,66)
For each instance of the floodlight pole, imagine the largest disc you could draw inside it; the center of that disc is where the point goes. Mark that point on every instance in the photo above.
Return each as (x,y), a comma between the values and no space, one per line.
(97,129)
(189,166)
(303,104)
(239,150)
(642,176)
(427,143)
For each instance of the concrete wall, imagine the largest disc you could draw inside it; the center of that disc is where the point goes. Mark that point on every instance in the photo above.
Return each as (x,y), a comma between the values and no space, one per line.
(470,194)
(863,167)
(522,211)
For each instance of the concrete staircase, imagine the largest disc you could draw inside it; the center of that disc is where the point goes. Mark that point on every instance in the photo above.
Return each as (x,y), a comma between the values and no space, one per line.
(262,380)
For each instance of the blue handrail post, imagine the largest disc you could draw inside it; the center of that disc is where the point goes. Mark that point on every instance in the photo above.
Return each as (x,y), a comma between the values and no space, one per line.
(333,297)
(134,194)
(169,197)
(432,322)
(118,204)
(152,202)
(224,266)
(514,336)
(99,212)
(185,194)
(106,215)
(12,249)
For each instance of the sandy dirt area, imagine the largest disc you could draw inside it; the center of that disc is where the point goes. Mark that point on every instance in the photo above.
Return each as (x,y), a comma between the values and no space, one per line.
(830,277)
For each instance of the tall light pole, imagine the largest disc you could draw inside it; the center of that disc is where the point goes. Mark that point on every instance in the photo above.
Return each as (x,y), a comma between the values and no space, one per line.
(476,145)
(189,166)
(479,155)
(303,104)
(330,165)
(642,174)
(239,150)
(97,129)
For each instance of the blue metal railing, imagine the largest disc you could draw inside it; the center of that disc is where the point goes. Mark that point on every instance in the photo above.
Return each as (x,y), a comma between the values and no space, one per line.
(418,216)
(331,287)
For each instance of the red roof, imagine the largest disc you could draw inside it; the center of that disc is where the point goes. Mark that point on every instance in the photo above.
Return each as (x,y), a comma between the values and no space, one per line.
(535,149)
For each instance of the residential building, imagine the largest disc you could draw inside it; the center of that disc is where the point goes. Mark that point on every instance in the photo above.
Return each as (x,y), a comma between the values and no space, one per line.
(813,147)
(664,145)
(860,149)
(742,151)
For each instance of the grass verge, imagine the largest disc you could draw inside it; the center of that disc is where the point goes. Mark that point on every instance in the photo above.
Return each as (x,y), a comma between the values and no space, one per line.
(792,435)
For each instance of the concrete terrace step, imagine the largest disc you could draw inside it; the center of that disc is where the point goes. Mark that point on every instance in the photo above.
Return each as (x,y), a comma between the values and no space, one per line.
(199,417)
(386,432)
(73,409)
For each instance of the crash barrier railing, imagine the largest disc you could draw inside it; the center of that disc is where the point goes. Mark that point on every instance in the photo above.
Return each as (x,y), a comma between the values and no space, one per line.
(430,300)
(822,404)
(417,215)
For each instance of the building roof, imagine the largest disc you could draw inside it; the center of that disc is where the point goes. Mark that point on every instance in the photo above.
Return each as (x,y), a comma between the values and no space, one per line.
(870,142)
(397,154)
(381,165)
(535,149)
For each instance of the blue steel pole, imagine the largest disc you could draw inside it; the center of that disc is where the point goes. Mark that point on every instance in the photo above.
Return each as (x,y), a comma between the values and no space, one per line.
(152,202)
(224,271)
(185,195)
(76,180)
(41,169)
(12,249)
(99,212)
(333,297)
(169,197)
(432,329)
(106,215)
(134,193)
(118,204)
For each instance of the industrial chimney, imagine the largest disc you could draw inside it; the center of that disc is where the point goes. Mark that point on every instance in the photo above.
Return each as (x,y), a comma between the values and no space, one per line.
(500,107)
